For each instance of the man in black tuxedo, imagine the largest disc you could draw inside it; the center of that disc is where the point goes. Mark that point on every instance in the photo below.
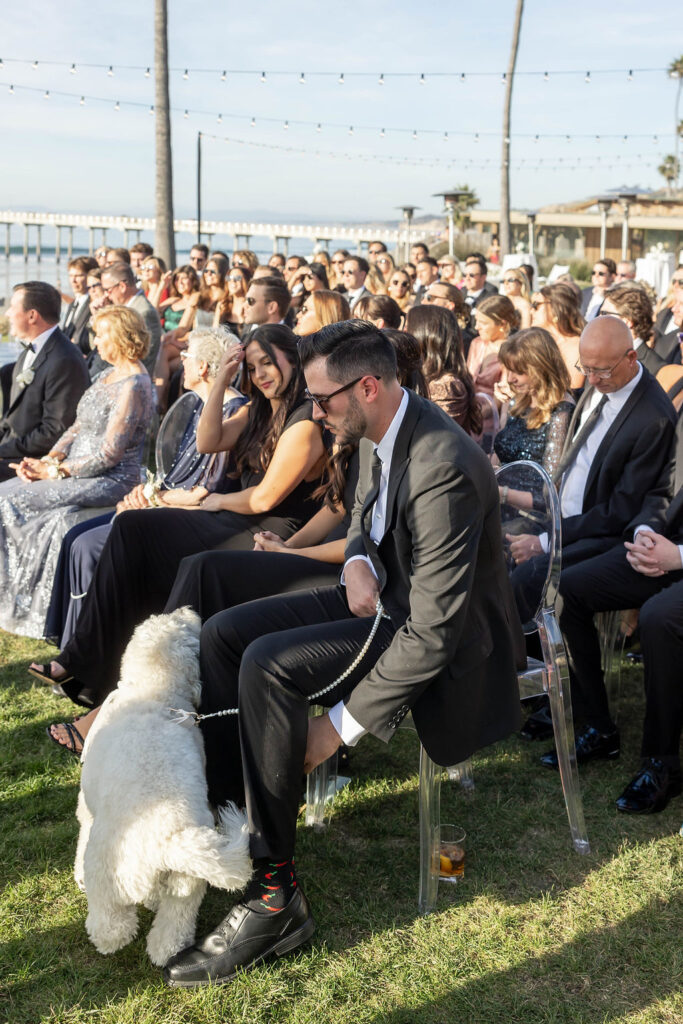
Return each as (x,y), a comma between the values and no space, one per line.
(77,316)
(425,540)
(649,576)
(478,288)
(427,274)
(602,277)
(48,379)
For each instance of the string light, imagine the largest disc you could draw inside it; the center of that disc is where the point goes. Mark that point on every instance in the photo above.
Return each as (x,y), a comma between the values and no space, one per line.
(422,79)
(382,133)
(11,90)
(82,101)
(2,64)
(223,76)
(110,72)
(253,122)
(147,73)
(462,77)
(318,128)
(220,119)
(186,74)
(117,105)
(263,77)
(350,129)
(381,80)
(504,77)
(46,94)
(34,65)
(415,134)
(587,79)
(445,136)
(151,111)
(546,76)
(629,77)
(72,69)
(340,80)
(302,79)
(286,126)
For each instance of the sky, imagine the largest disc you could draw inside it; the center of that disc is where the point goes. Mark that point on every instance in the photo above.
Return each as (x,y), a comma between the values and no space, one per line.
(58,155)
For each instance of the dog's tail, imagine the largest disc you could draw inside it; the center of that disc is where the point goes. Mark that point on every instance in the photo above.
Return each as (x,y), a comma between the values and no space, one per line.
(219,856)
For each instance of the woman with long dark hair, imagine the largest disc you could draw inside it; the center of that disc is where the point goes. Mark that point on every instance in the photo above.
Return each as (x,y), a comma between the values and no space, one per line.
(280,457)
(443,363)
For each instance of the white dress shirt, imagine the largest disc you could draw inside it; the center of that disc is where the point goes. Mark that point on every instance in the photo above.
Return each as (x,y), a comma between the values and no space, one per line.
(574,480)
(342,720)
(37,346)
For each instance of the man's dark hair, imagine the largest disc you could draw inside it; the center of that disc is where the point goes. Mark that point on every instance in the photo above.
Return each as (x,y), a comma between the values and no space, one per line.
(352,348)
(372,307)
(608,262)
(144,247)
(83,263)
(361,261)
(430,260)
(475,257)
(376,241)
(477,262)
(123,255)
(203,249)
(301,261)
(122,272)
(421,245)
(275,290)
(42,297)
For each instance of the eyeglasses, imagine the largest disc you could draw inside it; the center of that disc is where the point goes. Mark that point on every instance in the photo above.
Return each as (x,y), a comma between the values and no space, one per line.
(432,297)
(110,288)
(536,304)
(235,278)
(322,400)
(472,276)
(250,300)
(209,270)
(94,287)
(591,371)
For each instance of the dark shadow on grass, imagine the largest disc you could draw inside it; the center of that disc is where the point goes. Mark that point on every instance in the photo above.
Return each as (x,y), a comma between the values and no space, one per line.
(599,977)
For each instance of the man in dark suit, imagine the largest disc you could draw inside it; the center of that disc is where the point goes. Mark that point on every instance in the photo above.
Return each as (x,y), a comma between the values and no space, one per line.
(121,288)
(356,269)
(666,326)
(478,288)
(425,540)
(592,298)
(631,303)
(77,315)
(649,576)
(427,274)
(48,379)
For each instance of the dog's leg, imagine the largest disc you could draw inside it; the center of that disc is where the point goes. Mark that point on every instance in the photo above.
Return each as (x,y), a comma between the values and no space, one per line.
(174,925)
(85,819)
(111,923)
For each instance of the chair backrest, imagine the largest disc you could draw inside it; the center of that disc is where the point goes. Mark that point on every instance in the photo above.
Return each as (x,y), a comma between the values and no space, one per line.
(532,507)
(172,430)
(490,422)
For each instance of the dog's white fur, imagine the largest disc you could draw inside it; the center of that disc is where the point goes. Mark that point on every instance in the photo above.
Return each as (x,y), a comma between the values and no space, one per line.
(147,832)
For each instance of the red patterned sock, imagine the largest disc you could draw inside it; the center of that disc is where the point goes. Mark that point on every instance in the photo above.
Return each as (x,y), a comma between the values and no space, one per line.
(272,885)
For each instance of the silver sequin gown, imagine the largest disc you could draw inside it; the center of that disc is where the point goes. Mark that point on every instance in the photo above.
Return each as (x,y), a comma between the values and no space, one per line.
(103,455)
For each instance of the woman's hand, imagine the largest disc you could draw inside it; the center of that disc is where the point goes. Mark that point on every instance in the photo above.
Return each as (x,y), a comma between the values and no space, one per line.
(29,470)
(267,541)
(178,497)
(212,503)
(134,499)
(230,363)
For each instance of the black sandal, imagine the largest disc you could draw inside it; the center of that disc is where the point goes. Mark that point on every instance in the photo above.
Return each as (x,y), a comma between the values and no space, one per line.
(44,673)
(73,736)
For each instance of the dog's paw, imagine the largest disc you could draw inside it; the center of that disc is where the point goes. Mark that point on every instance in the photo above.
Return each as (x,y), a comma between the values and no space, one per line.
(113,931)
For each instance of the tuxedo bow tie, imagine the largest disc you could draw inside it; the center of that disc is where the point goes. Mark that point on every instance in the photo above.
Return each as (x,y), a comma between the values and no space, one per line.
(28,345)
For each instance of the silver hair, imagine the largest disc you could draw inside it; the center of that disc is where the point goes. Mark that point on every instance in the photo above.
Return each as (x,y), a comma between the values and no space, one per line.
(209,345)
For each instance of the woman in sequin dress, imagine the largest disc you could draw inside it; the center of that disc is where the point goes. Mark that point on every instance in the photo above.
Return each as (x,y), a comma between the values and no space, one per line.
(540,411)
(93,465)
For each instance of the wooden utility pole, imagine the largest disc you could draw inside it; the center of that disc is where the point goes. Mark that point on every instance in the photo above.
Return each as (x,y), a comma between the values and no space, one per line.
(505,234)
(164,242)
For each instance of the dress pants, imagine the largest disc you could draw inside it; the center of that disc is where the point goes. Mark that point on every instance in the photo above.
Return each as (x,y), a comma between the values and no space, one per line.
(133,578)
(268,657)
(528,579)
(216,580)
(6,472)
(609,583)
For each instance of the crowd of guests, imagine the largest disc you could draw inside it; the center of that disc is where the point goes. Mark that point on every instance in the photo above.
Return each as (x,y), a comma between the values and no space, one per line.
(241,369)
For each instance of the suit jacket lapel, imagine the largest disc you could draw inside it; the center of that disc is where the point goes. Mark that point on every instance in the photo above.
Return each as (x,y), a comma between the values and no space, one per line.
(633,400)
(16,393)
(400,457)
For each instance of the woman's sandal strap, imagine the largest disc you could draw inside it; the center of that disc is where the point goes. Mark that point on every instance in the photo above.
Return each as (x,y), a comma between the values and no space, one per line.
(73,736)
(46,675)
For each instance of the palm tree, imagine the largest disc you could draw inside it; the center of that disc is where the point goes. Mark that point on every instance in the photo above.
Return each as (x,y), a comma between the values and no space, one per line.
(164,242)
(505,232)
(675,70)
(466,201)
(669,169)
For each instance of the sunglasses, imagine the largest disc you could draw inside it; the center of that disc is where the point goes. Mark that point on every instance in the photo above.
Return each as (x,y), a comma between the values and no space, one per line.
(233,277)
(208,270)
(322,400)
(599,273)
(537,305)
(510,280)
(678,281)
(400,284)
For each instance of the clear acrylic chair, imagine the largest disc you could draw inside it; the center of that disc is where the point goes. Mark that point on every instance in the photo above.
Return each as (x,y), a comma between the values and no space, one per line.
(172,431)
(551,675)
(490,422)
(613,633)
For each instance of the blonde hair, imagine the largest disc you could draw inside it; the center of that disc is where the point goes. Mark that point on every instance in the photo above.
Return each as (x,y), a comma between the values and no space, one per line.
(126,329)
(374,281)
(330,307)
(522,280)
(535,353)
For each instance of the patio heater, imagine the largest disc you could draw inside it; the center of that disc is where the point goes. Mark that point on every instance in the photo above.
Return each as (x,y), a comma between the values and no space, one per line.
(626,199)
(451,198)
(604,205)
(408,212)
(531,218)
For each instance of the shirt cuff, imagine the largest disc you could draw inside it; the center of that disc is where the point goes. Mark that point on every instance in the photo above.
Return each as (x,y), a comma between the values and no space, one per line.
(640,528)
(354,558)
(544,542)
(345,724)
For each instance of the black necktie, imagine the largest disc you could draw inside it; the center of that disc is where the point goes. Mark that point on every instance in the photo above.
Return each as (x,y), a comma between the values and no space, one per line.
(373,491)
(579,440)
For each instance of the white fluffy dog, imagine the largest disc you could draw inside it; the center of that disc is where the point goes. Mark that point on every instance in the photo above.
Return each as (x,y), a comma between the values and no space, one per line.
(147,832)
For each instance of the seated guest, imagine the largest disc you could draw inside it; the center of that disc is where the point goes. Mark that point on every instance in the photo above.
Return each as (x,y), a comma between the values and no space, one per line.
(93,464)
(122,255)
(121,289)
(435,545)
(199,254)
(189,472)
(380,310)
(495,319)
(516,287)
(386,266)
(399,289)
(231,309)
(245,258)
(319,310)
(666,329)
(77,316)
(449,297)
(200,310)
(541,406)
(137,254)
(155,280)
(555,309)
(335,276)
(279,455)
(647,575)
(617,449)
(355,271)
(443,362)
(427,274)
(449,270)
(626,271)
(478,289)
(602,277)
(184,285)
(631,304)
(48,378)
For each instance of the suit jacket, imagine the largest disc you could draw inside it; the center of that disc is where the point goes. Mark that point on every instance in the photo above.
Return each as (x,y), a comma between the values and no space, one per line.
(444,582)
(650,359)
(630,463)
(144,307)
(586,296)
(363,293)
(39,413)
(76,329)
(662,327)
(487,291)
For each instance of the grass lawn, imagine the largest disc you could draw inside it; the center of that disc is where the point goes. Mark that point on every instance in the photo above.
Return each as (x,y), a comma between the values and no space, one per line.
(535,935)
